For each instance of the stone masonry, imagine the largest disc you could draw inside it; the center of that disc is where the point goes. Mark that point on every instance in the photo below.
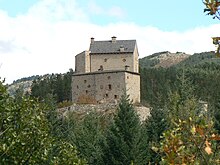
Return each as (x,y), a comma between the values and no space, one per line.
(106,71)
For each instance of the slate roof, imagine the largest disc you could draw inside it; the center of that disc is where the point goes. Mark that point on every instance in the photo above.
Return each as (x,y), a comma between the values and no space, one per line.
(108,47)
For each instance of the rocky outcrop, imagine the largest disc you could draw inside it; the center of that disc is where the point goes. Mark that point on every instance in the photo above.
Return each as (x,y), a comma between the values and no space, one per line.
(169,59)
(83,109)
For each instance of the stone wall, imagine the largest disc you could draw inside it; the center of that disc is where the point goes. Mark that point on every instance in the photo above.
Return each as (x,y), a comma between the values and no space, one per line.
(132,83)
(135,60)
(83,109)
(111,62)
(104,78)
(83,88)
(82,62)
(85,62)
(105,86)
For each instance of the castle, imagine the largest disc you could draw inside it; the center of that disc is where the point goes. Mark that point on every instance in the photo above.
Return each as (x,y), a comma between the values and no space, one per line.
(106,71)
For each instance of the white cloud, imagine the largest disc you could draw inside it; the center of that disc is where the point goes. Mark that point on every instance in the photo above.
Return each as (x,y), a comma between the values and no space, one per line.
(45,41)
(56,10)
(95,8)
(113,11)
(116,11)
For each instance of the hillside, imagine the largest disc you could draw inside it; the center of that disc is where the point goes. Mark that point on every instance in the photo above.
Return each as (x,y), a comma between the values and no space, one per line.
(25,83)
(179,59)
(163,59)
(200,59)
(22,84)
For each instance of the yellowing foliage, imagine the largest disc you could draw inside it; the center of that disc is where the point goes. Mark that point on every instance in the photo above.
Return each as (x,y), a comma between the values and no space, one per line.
(190,143)
(212,7)
(216,41)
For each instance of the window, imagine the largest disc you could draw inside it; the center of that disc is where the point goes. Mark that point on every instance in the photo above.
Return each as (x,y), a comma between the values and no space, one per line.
(116,96)
(124,60)
(100,68)
(105,60)
(127,77)
(85,81)
(109,86)
(86,91)
(126,67)
(89,86)
(77,87)
(109,77)
(106,95)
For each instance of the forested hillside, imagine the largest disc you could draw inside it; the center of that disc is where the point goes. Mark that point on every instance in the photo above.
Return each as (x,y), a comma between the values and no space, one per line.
(201,69)
(183,127)
(56,85)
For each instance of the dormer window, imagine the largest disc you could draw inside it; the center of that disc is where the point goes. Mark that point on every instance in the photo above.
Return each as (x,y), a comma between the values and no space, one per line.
(122,49)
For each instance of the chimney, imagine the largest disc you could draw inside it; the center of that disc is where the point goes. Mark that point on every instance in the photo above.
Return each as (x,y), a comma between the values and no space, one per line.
(92,40)
(113,39)
(122,49)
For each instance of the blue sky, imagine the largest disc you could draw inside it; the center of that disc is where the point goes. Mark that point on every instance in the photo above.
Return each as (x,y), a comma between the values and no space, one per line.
(166,15)
(43,36)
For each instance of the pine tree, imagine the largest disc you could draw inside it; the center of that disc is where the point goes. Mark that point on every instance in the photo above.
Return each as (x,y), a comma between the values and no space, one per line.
(87,137)
(154,127)
(190,137)
(123,138)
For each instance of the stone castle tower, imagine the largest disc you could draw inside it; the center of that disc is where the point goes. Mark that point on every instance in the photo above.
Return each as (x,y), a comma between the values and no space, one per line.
(106,71)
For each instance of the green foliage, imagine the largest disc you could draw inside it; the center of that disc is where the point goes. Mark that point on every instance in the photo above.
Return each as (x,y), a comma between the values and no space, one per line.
(30,78)
(154,127)
(176,92)
(64,104)
(63,152)
(148,63)
(123,139)
(178,131)
(201,69)
(25,134)
(199,59)
(58,85)
(156,84)
(88,138)
(191,137)
(215,109)
(83,131)
(182,100)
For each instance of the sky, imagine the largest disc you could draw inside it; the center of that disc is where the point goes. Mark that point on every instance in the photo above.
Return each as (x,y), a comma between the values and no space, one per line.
(43,36)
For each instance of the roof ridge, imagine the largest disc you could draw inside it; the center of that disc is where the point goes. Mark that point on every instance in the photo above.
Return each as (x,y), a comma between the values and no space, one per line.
(107,46)
(116,40)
